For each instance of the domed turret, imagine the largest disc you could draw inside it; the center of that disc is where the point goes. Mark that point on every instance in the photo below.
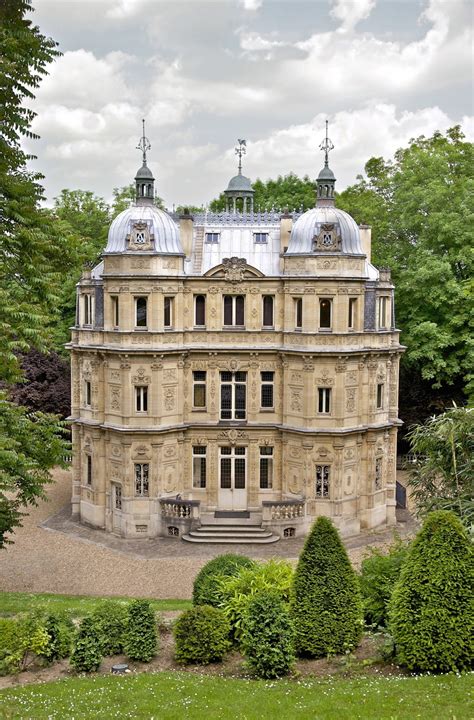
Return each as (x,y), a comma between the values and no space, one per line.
(239,187)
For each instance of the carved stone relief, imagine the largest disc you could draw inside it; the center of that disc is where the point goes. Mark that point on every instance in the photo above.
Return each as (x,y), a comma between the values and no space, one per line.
(296,399)
(170,397)
(351,399)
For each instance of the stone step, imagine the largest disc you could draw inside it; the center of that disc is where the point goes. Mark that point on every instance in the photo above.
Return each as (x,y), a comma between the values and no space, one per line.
(229,534)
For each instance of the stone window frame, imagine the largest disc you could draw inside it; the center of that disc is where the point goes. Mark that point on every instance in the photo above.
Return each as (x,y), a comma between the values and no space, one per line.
(195,303)
(352,314)
(142,481)
(199,453)
(237,308)
(168,311)
(379,396)
(267,383)
(270,309)
(266,457)
(140,326)
(324,400)
(383,312)
(298,313)
(234,383)
(141,399)
(115,311)
(322,486)
(200,382)
(321,327)
(87,393)
(234,452)
(88,309)
(378,473)
(89,469)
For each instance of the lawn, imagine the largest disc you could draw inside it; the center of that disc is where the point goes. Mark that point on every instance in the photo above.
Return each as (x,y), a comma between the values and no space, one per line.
(169,696)
(12,603)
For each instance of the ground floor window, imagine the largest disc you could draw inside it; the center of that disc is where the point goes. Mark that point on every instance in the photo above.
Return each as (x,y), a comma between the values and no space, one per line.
(89,469)
(142,474)
(378,473)
(118,497)
(233,468)
(266,468)
(322,481)
(199,466)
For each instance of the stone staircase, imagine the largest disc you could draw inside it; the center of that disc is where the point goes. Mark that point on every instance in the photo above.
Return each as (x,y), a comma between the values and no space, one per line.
(228,534)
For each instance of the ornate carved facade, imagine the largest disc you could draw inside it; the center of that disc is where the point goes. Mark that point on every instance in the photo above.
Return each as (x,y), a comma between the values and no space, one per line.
(234,363)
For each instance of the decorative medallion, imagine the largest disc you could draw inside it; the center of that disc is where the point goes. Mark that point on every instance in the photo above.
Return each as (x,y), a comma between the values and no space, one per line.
(234,269)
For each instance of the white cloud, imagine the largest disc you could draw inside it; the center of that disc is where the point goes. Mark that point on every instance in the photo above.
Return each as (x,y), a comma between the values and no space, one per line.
(122,9)
(351,12)
(251,4)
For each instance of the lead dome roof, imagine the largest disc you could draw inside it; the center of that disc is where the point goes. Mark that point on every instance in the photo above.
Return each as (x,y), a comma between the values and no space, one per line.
(240,182)
(310,225)
(163,230)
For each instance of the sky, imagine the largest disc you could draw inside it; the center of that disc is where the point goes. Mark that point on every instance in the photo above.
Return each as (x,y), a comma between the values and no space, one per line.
(271,71)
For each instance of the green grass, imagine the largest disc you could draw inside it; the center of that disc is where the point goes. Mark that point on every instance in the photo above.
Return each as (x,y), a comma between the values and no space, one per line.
(170,696)
(74,605)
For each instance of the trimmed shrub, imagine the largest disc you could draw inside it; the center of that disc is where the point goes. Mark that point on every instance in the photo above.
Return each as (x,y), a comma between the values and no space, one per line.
(206,583)
(326,604)
(236,592)
(379,573)
(22,639)
(431,613)
(141,637)
(111,618)
(268,635)
(60,629)
(201,635)
(86,655)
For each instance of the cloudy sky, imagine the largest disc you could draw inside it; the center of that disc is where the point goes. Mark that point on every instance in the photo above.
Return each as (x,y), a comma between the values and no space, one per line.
(206,73)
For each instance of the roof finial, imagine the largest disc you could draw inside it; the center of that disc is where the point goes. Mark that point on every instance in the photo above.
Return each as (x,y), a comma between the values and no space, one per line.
(327,146)
(144,143)
(240,150)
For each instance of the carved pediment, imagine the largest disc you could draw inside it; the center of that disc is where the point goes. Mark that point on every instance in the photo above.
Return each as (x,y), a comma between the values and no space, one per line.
(234,270)
(140,237)
(328,239)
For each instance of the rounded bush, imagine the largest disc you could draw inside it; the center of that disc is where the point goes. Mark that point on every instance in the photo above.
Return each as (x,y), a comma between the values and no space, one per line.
(60,629)
(379,573)
(110,618)
(431,612)
(207,580)
(326,605)
(201,635)
(268,636)
(141,638)
(86,655)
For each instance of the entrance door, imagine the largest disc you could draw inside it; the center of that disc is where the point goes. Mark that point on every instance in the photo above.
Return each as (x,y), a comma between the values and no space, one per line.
(116,508)
(232,478)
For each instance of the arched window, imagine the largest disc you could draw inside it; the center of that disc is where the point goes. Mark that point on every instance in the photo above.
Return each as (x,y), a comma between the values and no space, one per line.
(325,313)
(140,312)
(234,310)
(199,310)
(268,310)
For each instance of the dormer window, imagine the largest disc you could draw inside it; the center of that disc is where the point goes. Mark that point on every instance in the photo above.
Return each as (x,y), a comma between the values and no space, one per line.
(260,238)
(212,238)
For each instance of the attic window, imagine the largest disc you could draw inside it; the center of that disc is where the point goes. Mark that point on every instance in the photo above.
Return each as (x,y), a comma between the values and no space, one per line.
(261,238)
(212,237)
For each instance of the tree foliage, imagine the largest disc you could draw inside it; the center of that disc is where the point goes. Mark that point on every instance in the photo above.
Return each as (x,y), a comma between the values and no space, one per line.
(86,655)
(206,582)
(141,638)
(378,575)
(326,603)
(268,637)
(287,192)
(201,635)
(443,476)
(46,384)
(432,608)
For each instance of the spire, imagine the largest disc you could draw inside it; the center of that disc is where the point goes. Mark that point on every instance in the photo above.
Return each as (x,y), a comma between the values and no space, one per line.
(241,150)
(326,180)
(144,180)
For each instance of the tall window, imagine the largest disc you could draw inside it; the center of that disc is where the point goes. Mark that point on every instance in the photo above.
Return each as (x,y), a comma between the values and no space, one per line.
(325,312)
(141,312)
(141,398)
(118,497)
(115,310)
(168,312)
(324,400)
(142,474)
(232,467)
(199,310)
(378,473)
(298,308)
(266,400)
(266,468)
(268,310)
(88,309)
(89,469)
(87,393)
(383,306)
(260,238)
(322,481)
(234,310)
(233,395)
(380,396)
(199,389)
(212,237)
(352,313)
(199,466)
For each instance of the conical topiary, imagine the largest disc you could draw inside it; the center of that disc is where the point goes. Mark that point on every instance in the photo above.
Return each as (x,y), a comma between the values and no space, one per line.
(326,605)
(141,639)
(86,655)
(431,612)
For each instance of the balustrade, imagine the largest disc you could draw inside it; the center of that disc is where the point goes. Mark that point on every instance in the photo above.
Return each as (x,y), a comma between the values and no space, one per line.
(180,509)
(283,509)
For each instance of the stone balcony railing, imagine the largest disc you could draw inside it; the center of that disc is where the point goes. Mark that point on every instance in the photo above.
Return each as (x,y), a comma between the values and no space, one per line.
(283,510)
(176,509)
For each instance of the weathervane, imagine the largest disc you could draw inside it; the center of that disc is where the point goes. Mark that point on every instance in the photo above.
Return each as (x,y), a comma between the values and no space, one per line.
(240,150)
(144,143)
(327,146)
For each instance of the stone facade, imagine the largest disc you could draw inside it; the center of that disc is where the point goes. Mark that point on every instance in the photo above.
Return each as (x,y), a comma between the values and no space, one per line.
(207,377)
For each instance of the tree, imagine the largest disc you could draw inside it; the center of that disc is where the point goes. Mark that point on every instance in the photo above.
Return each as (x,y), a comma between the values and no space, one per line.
(140,637)
(33,254)
(46,383)
(443,475)
(268,636)
(87,655)
(125,196)
(326,605)
(287,192)
(431,610)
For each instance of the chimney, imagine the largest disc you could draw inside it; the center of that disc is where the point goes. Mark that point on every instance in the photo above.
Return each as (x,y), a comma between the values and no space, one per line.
(186,222)
(366,240)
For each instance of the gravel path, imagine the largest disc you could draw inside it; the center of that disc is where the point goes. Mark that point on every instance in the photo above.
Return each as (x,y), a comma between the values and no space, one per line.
(53,554)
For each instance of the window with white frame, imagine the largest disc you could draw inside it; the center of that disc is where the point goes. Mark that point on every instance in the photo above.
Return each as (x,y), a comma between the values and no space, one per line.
(199,389)
(266,467)
(87,393)
(268,302)
(260,238)
(141,312)
(115,310)
(233,395)
(199,466)
(351,321)
(200,310)
(324,400)
(325,313)
(383,312)
(142,475)
(87,309)
(233,467)
(168,312)
(212,237)
(89,469)
(141,398)
(378,473)
(298,310)
(323,473)
(234,310)
(266,389)
(380,389)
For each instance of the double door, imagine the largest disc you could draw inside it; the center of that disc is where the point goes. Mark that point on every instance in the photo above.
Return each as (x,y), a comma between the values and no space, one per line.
(233,478)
